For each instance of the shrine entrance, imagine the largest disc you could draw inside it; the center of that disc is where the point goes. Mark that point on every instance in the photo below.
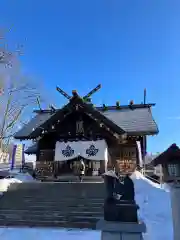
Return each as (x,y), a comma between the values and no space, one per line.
(68,155)
(71,167)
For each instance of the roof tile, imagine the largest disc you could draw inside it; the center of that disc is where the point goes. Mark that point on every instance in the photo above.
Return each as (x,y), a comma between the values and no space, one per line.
(34,123)
(133,121)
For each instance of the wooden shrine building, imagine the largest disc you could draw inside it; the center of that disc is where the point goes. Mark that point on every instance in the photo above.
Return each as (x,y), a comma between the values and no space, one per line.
(107,137)
(169,164)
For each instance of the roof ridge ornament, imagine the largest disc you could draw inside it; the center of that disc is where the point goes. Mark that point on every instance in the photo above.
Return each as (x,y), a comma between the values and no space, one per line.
(75,94)
(94,90)
(63,93)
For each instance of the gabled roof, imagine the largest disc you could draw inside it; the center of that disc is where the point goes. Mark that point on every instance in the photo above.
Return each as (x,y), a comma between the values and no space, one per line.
(172,153)
(44,118)
(133,120)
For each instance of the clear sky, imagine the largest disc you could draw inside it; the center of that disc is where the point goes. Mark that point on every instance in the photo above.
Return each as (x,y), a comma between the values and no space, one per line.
(125,45)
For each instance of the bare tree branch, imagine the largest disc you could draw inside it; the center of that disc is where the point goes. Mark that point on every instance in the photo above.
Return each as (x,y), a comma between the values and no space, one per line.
(18,94)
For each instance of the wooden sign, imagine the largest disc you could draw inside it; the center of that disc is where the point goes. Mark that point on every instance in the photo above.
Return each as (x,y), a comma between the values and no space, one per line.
(128,153)
(128,160)
(126,166)
(79,127)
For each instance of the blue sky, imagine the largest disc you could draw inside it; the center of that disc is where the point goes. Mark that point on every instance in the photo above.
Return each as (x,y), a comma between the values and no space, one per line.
(124,45)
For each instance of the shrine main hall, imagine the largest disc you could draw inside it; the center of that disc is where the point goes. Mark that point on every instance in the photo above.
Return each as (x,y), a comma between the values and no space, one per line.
(105,137)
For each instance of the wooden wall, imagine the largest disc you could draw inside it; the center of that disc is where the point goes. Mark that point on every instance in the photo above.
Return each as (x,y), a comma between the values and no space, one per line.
(120,156)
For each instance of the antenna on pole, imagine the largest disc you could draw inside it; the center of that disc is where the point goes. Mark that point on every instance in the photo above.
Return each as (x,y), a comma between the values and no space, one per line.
(145,96)
(63,93)
(92,92)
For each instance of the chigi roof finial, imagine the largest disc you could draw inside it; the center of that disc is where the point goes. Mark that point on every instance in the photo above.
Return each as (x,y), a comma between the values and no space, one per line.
(94,90)
(74,93)
(63,93)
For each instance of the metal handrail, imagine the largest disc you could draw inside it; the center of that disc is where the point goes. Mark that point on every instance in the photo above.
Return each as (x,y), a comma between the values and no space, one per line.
(153,179)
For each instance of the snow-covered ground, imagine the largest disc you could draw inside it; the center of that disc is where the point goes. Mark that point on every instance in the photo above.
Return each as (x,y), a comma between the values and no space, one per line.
(17,177)
(47,234)
(155,211)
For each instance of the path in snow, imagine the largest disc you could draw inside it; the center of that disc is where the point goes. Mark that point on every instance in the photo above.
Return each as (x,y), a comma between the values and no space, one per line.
(155,209)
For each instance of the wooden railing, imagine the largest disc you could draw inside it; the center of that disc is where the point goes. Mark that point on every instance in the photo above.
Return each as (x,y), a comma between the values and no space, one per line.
(44,168)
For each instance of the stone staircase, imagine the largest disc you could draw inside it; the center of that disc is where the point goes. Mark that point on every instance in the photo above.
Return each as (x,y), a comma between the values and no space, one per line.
(45,204)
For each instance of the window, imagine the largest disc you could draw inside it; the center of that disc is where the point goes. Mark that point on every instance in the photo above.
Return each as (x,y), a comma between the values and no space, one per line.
(173,170)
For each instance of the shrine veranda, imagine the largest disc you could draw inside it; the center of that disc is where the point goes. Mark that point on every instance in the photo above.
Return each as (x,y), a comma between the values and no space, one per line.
(107,137)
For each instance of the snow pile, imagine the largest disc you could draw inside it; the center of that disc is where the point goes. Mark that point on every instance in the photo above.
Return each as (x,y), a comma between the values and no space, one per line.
(17,178)
(155,208)
(4,184)
(22,177)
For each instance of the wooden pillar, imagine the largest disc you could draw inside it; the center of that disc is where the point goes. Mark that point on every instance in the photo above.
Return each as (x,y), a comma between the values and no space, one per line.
(38,151)
(102,167)
(143,141)
(109,163)
(112,158)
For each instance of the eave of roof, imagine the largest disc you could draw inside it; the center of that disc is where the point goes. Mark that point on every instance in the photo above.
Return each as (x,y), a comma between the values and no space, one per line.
(34,124)
(32,149)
